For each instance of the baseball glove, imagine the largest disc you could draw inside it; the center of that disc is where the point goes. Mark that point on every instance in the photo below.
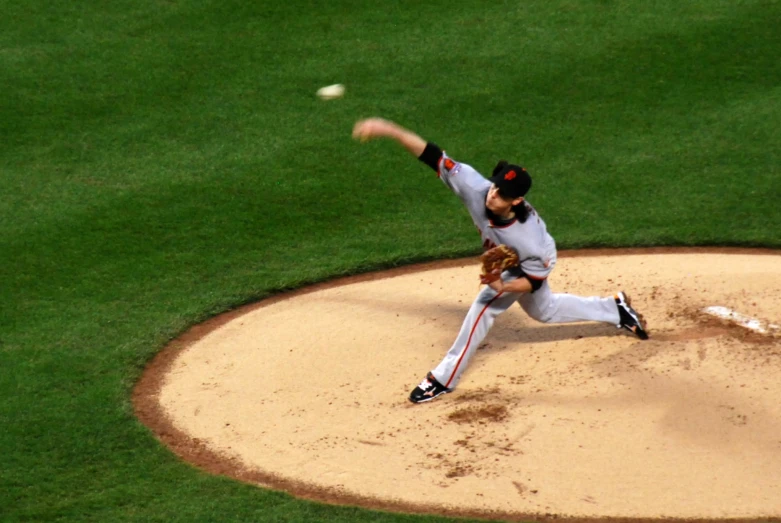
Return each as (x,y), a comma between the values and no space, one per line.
(495,261)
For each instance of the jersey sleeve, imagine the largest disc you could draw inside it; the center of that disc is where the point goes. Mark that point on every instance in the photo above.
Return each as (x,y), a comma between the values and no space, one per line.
(537,268)
(541,257)
(536,248)
(461,178)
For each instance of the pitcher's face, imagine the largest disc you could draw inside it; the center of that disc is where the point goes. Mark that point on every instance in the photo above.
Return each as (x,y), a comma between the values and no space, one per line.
(497,204)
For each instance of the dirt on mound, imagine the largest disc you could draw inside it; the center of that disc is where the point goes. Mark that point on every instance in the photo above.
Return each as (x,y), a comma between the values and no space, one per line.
(307,392)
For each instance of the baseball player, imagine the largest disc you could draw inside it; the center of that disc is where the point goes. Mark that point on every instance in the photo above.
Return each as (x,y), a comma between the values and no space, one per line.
(499,209)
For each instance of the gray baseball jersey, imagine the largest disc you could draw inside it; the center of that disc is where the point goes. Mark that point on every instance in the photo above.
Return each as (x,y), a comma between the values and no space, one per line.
(536,248)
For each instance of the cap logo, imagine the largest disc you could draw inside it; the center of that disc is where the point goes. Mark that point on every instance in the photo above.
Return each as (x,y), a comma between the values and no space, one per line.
(510,175)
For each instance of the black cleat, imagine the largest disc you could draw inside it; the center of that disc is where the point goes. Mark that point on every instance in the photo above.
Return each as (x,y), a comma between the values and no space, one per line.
(428,389)
(631,320)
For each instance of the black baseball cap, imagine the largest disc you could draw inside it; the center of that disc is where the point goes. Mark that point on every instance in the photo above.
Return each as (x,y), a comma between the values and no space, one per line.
(513,181)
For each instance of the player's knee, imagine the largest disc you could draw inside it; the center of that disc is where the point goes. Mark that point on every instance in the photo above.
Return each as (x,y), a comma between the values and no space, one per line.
(544,315)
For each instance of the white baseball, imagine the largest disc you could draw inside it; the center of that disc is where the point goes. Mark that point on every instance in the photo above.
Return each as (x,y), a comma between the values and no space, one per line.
(330,92)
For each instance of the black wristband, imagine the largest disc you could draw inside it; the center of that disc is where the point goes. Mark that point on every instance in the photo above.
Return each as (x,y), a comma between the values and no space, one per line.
(536,284)
(431,156)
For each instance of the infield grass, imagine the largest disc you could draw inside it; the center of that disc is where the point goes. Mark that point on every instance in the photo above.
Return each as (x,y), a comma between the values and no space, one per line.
(162,162)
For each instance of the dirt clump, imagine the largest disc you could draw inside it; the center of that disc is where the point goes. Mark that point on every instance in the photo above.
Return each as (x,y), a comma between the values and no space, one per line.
(487,413)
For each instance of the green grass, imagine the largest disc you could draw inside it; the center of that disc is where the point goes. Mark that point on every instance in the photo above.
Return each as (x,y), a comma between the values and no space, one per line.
(161,162)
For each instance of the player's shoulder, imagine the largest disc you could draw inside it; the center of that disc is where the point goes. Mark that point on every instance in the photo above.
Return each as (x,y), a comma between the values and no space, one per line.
(461,171)
(450,166)
(528,217)
(528,231)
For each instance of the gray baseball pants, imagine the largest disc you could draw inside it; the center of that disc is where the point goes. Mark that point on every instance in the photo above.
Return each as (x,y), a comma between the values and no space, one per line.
(542,305)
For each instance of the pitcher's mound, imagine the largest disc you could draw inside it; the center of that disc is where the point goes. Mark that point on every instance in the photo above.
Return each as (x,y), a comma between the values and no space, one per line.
(308,393)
